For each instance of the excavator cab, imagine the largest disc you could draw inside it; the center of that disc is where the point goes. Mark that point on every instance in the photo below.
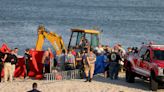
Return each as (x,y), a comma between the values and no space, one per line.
(77,35)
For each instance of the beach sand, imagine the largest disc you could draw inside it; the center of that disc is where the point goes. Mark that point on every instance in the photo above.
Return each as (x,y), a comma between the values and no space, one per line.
(99,84)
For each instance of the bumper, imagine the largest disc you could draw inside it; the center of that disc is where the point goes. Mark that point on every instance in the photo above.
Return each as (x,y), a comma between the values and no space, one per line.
(160,78)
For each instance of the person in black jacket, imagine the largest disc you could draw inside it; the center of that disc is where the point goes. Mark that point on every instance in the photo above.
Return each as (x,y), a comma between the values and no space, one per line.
(14,61)
(1,63)
(7,66)
(28,58)
(34,88)
(114,57)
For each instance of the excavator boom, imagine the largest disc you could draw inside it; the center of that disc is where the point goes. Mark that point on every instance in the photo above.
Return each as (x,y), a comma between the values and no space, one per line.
(55,40)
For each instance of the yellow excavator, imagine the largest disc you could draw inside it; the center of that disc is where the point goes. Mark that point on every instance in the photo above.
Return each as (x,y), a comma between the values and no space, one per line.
(55,40)
(91,35)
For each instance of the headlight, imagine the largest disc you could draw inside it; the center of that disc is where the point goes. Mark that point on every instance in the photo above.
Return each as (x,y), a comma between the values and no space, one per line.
(160,71)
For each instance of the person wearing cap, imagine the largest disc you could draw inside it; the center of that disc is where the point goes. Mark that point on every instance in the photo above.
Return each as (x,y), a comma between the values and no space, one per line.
(90,66)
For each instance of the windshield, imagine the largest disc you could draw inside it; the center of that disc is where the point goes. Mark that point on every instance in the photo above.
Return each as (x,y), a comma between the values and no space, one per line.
(158,54)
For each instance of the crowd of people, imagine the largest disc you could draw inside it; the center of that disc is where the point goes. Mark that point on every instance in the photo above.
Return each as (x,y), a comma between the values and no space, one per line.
(79,57)
(83,57)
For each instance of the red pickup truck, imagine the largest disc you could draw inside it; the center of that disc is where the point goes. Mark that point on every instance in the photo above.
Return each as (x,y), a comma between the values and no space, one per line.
(148,64)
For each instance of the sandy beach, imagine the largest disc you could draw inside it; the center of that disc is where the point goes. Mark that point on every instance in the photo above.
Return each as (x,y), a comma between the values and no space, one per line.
(99,84)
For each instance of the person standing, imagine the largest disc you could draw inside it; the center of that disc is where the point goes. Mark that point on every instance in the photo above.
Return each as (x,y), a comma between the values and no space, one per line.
(70,62)
(46,60)
(62,60)
(84,63)
(14,61)
(90,66)
(107,64)
(114,64)
(28,58)
(1,63)
(7,66)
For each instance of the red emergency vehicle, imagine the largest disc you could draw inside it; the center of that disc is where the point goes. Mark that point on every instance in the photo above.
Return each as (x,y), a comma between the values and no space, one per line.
(148,64)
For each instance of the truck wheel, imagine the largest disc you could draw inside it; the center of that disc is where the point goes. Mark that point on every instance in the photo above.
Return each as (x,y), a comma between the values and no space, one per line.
(129,76)
(153,84)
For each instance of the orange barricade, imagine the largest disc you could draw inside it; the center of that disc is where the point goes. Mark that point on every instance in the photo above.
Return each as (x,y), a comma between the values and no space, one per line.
(20,68)
(36,66)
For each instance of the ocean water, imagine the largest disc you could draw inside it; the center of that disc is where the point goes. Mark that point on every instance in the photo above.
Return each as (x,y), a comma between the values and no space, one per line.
(129,22)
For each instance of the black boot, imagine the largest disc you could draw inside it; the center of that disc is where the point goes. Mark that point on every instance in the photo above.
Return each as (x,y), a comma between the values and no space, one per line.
(86,79)
(90,80)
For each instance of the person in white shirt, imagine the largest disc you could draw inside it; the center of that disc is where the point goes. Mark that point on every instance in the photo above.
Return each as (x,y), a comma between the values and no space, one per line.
(99,49)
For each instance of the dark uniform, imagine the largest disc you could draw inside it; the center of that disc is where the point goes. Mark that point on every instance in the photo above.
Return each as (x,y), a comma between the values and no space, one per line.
(7,67)
(114,65)
(13,63)
(27,60)
(1,64)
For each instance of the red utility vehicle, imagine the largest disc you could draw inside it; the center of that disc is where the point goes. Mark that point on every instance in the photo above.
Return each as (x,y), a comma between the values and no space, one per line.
(148,64)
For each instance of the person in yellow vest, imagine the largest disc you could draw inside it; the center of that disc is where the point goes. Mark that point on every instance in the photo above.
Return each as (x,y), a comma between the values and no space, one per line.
(90,65)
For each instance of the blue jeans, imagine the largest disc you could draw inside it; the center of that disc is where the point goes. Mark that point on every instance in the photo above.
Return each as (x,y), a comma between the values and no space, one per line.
(114,70)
